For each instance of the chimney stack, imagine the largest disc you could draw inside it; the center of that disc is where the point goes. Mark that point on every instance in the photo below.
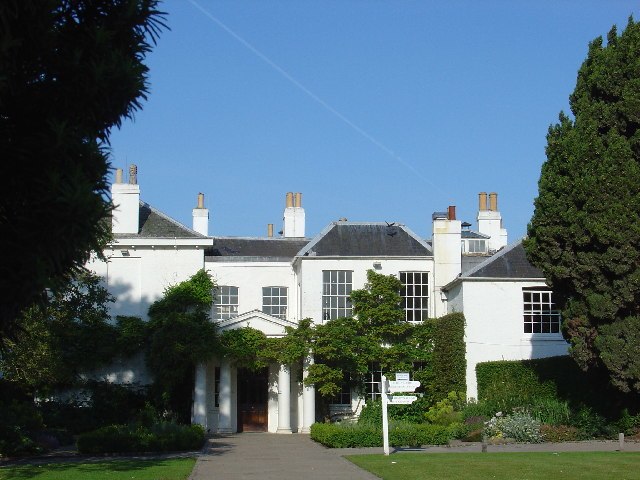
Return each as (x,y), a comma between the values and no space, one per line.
(294,217)
(490,221)
(125,217)
(201,217)
(447,237)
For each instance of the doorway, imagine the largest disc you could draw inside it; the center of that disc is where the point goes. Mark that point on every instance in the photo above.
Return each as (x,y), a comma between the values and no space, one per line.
(252,400)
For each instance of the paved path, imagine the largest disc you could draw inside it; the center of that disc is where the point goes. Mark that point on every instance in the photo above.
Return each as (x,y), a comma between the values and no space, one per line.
(268,456)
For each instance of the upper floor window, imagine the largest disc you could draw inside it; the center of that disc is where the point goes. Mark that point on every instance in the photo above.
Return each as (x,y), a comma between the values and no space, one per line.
(540,312)
(415,295)
(226,303)
(474,245)
(274,301)
(336,288)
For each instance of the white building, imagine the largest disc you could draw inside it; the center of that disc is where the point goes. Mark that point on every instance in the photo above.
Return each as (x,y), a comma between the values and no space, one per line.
(270,283)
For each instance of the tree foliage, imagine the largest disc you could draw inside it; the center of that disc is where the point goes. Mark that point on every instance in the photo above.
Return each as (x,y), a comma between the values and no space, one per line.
(180,336)
(585,232)
(70,72)
(56,342)
(379,336)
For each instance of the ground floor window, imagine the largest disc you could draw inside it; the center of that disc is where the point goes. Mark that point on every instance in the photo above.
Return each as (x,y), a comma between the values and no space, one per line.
(374,377)
(344,396)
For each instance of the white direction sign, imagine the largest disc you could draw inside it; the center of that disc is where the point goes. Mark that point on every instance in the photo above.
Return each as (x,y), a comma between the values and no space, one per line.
(402,376)
(403,386)
(402,399)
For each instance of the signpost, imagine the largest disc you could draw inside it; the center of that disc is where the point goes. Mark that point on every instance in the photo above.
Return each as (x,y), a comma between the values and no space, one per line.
(402,383)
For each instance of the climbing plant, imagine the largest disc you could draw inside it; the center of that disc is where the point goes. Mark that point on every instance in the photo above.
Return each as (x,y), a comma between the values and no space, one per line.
(180,335)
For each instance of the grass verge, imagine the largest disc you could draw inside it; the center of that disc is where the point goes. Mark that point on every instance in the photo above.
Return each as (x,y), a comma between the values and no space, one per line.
(502,466)
(167,469)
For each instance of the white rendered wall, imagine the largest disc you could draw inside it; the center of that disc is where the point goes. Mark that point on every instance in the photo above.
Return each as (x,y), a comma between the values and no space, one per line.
(490,223)
(126,213)
(250,277)
(136,281)
(448,258)
(293,222)
(310,277)
(139,279)
(494,326)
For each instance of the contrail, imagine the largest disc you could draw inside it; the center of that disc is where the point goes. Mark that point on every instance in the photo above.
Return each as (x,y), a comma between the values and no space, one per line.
(320,101)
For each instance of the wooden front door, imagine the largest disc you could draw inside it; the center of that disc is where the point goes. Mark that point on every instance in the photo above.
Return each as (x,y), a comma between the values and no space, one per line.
(252,400)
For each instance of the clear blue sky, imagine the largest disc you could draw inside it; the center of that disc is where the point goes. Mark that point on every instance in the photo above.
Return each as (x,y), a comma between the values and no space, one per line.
(374,110)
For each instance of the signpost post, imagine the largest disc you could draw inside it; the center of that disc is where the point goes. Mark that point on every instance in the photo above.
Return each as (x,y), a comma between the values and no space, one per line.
(402,383)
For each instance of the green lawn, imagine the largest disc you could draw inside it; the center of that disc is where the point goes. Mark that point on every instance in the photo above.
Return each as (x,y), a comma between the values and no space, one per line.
(171,469)
(502,466)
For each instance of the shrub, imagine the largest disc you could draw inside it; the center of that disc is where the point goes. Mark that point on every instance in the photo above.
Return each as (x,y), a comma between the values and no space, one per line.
(371,413)
(551,411)
(590,423)
(475,409)
(447,411)
(559,433)
(334,435)
(161,437)
(400,434)
(518,426)
(509,384)
(628,424)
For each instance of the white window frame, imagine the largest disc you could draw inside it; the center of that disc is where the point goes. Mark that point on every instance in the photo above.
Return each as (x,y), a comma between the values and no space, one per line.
(343,398)
(336,291)
(374,378)
(274,301)
(539,311)
(226,303)
(415,296)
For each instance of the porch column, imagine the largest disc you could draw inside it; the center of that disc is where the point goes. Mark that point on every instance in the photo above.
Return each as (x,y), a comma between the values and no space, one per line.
(224,399)
(308,398)
(200,396)
(284,400)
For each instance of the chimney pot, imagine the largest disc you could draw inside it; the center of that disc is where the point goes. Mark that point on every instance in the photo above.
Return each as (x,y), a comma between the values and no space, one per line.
(270,230)
(133,174)
(118,175)
(482,201)
(289,201)
(493,201)
(298,200)
(200,200)
(451,212)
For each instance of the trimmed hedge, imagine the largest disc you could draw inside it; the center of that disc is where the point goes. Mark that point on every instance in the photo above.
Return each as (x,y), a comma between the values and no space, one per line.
(334,435)
(505,384)
(161,437)
(449,355)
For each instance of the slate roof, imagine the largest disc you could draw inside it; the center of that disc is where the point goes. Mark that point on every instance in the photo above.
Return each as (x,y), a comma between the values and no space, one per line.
(510,262)
(155,224)
(466,234)
(283,249)
(353,239)
(472,261)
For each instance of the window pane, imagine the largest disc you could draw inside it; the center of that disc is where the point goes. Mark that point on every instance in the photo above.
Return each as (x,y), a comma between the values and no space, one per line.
(415,295)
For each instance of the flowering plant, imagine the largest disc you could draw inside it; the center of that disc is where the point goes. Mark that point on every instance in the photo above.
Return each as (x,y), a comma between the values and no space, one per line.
(519,426)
